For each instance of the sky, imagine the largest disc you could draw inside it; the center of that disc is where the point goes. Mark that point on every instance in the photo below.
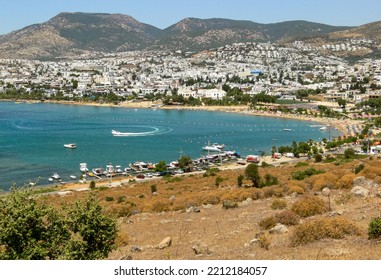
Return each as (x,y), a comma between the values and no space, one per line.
(16,14)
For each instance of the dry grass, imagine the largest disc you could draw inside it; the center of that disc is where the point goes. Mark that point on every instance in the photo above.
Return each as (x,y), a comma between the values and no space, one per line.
(145,218)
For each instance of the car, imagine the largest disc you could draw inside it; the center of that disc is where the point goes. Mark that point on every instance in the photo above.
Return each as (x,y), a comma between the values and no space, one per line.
(140,176)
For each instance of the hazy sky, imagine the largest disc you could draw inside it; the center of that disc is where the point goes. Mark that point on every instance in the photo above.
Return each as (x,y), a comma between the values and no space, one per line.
(15,14)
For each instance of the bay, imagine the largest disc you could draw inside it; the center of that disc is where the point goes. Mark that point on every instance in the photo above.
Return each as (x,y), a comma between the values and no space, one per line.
(32,137)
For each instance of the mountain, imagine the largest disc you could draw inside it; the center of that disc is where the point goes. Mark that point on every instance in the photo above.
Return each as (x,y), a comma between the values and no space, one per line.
(70,34)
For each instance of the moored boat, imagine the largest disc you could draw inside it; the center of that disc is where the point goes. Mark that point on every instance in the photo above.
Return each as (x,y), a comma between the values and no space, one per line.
(215,147)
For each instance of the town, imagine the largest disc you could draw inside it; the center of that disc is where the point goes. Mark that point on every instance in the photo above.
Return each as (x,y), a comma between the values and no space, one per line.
(289,73)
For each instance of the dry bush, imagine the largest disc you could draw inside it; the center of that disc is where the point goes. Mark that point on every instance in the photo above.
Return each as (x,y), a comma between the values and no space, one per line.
(336,228)
(264,241)
(295,189)
(279,204)
(288,218)
(346,181)
(309,206)
(268,222)
(321,181)
(122,238)
(370,171)
(257,194)
(161,206)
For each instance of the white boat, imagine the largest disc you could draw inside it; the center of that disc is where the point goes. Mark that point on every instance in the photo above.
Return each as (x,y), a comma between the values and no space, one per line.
(83,167)
(98,171)
(126,134)
(72,177)
(323,128)
(287,129)
(215,147)
(70,146)
(56,176)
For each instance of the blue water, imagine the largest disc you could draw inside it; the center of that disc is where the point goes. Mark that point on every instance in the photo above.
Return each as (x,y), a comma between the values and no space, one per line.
(32,137)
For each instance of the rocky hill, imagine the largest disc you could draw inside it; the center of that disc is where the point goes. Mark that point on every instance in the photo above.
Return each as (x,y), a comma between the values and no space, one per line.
(70,34)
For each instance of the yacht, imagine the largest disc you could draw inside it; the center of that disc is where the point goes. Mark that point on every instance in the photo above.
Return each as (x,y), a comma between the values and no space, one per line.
(215,147)
(56,176)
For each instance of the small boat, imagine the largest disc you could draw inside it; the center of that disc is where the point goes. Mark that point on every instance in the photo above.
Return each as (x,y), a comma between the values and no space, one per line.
(83,167)
(98,171)
(70,146)
(323,128)
(56,176)
(287,129)
(73,177)
(50,179)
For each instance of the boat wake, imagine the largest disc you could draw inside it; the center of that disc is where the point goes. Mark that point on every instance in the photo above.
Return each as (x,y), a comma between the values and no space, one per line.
(153,131)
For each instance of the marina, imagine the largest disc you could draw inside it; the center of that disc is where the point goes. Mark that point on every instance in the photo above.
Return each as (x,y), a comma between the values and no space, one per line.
(32,138)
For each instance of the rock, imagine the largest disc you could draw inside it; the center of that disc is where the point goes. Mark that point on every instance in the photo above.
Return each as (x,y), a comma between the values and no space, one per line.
(135,249)
(326,191)
(253,241)
(126,257)
(279,228)
(200,249)
(363,182)
(360,191)
(193,209)
(172,199)
(166,242)
(207,206)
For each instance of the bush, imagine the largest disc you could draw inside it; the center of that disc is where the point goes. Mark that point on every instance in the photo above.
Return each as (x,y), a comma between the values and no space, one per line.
(358,168)
(288,218)
(318,158)
(301,164)
(264,241)
(268,222)
(228,204)
(309,206)
(349,153)
(278,204)
(92,185)
(269,180)
(109,198)
(374,230)
(336,228)
(346,181)
(153,188)
(218,181)
(240,180)
(302,174)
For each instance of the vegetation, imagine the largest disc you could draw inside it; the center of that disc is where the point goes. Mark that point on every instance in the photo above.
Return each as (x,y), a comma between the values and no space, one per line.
(33,230)
(336,228)
(252,173)
(309,206)
(302,174)
(374,230)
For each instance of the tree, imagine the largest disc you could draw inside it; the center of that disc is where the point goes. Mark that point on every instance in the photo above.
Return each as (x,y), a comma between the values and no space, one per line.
(251,173)
(184,161)
(342,102)
(349,153)
(161,166)
(31,229)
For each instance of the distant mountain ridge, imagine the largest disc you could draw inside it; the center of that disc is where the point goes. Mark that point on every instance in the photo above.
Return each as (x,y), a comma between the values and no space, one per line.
(76,33)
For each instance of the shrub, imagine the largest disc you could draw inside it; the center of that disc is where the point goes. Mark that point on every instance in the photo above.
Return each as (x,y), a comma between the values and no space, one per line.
(269,180)
(309,206)
(358,168)
(301,164)
(318,158)
(228,204)
(268,222)
(92,185)
(264,241)
(109,198)
(153,188)
(374,230)
(278,204)
(349,153)
(336,228)
(265,164)
(288,218)
(346,181)
(302,174)
(251,173)
(240,180)
(121,199)
(218,181)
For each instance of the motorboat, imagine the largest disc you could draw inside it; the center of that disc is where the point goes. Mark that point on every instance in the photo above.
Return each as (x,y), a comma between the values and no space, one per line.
(323,128)
(70,146)
(73,177)
(215,147)
(98,171)
(83,167)
(287,129)
(56,176)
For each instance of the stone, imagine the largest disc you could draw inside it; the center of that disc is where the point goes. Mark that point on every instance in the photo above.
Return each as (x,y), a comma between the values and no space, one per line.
(166,242)
(135,249)
(326,191)
(360,191)
(279,228)
(201,249)
(193,209)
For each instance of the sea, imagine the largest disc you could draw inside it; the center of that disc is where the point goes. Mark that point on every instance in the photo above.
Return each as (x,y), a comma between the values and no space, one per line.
(32,136)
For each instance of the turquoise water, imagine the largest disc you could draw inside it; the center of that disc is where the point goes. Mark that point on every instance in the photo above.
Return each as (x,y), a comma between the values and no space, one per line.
(32,137)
